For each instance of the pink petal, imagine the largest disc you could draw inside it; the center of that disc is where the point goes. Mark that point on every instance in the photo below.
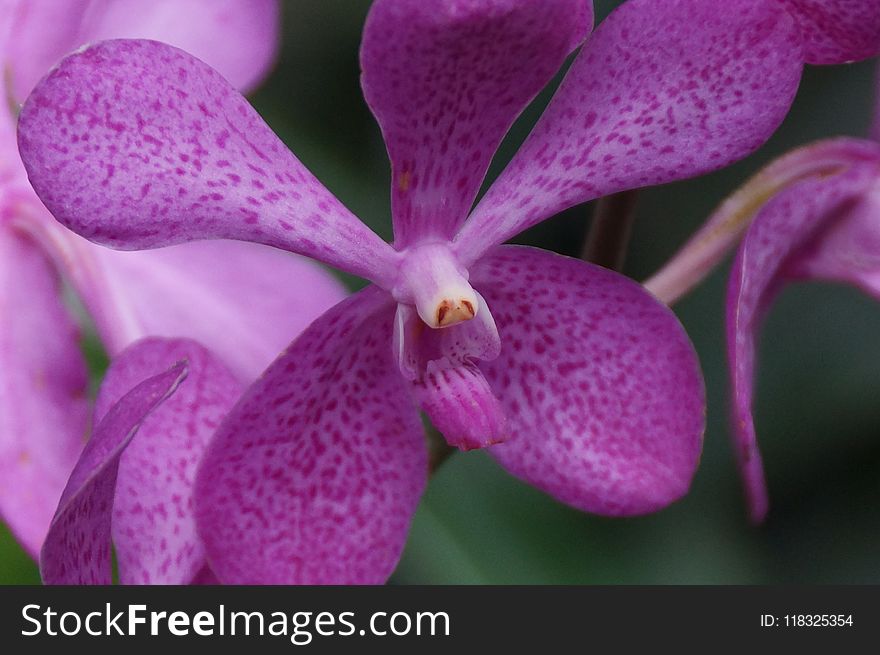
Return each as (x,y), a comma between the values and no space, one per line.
(601,387)
(43,387)
(77,548)
(783,229)
(315,475)
(135,144)
(154,527)
(243,301)
(237,37)
(446,79)
(662,91)
(837,31)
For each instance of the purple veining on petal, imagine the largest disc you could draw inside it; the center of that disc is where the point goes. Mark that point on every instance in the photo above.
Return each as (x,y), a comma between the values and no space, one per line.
(77,548)
(154,528)
(837,31)
(446,79)
(43,390)
(649,99)
(784,227)
(600,384)
(314,476)
(136,144)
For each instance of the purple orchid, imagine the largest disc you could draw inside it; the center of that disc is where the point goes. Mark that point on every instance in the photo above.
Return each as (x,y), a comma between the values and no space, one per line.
(582,383)
(244,315)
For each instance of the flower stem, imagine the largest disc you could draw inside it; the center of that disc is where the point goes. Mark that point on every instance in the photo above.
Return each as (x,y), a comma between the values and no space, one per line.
(608,239)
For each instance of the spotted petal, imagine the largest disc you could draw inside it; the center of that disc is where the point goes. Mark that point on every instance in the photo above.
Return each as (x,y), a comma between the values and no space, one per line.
(43,387)
(837,31)
(315,475)
(77,548)
(600,385)
(445,80)
(136,144)
(650,98)
(780,243)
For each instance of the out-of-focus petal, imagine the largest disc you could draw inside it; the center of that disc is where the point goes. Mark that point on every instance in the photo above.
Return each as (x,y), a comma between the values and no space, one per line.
(243,301)
(43,390)
(837,31)
(136,144)
(662,91)
(154,527)
(77,548)
(445,80)
(724,228)
(775,241)
(601,387)
(315,475)
(237,37)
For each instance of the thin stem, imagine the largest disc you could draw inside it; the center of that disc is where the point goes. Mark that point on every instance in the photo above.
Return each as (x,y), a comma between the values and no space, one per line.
(608,239)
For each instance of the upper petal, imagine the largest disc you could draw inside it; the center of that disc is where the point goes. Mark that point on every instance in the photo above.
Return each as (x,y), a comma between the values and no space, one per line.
(136,144)
(315,475)
(77,548)
(662,91)
(237,37)
(43,390)
(446,79)
(837,31)
(154,528)
(599,382)
(778,237)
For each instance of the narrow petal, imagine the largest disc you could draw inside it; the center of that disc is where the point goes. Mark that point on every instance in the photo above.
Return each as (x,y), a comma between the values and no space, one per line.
(136,144)
(601,387)
(786,225)
(154,528)
(446,79)
(837,31)
(725,227)
(315,475)
(237,37)
(243,301)
(77,548)
(649,99)
(43,390)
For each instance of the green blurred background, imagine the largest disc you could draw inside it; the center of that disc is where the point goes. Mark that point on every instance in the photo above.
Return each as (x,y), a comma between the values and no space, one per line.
(817,409)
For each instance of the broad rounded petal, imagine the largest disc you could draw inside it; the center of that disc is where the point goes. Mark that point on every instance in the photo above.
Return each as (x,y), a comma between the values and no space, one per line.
(649,99)
(136,144)
(315,475)
(725,227)
(784,228)
(600,384)
(154,527)
(446,79)
(77,548)
(44,414)
(837,31)
(243,301)
(237,37)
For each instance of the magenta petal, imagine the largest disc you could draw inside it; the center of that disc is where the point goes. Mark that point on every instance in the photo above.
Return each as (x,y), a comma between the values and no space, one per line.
(237,37)
(135,144)
(77,548)
(243,301)
(154,528)
(600,384)
(315,475)
(43,386)
(779,237)
(445,80)
(837,31)
(662,91)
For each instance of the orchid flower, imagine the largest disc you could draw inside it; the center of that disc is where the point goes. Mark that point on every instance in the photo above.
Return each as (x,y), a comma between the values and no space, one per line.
(136,472)
(576,379)
(227,295)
